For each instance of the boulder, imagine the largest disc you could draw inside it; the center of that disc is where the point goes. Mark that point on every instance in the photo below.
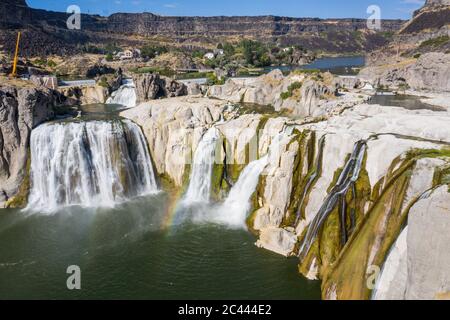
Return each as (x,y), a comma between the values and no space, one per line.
(277,240)
(83,95)
(193,89)
(305,100)
(151,86)
(99,70)
(311,94)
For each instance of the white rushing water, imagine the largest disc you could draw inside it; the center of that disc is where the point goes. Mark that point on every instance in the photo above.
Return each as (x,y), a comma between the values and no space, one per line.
(199,189)
(91,164)
(233,212)
(125,95)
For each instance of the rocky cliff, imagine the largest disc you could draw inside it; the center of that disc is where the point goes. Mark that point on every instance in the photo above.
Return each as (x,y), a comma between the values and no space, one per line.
(21,110)
(152,86)
(429,72)
(45,32)
(411,270)
(418,56)
(300,94)
(335,193)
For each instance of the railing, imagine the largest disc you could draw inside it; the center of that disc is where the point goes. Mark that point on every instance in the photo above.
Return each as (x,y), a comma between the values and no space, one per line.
(77,83)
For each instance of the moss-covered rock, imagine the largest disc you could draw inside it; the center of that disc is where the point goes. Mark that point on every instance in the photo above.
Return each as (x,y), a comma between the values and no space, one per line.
(347,278)
(20,200)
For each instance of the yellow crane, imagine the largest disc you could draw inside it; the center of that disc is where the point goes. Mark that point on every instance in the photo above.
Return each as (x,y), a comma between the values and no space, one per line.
(16,57)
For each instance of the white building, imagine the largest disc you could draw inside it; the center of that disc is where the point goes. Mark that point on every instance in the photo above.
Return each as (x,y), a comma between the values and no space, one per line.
(128,54)
(209,55)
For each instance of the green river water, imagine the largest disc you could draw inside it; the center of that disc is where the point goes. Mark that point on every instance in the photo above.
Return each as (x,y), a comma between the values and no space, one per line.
(134,252)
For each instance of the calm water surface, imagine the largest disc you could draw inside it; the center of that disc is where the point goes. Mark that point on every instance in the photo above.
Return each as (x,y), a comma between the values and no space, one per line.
(404,101)
(335,65)
(134,251)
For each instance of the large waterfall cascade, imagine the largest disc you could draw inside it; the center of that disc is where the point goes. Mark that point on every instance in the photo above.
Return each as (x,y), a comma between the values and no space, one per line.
(125,95)
(199,189)
(90,164)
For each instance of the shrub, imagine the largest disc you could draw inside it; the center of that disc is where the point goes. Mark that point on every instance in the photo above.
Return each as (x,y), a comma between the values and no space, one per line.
(435,42)
(213,80)
(51,63)
(150,52)
(290,92)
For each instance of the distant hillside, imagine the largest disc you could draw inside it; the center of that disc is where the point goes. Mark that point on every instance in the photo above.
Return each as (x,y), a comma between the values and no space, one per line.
(434,15)
(418,56)
(45,32)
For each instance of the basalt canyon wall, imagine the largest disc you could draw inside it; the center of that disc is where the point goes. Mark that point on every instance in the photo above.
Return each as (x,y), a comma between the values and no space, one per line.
(49,28)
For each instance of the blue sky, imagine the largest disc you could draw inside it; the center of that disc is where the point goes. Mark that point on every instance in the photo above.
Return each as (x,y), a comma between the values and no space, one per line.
(390,9)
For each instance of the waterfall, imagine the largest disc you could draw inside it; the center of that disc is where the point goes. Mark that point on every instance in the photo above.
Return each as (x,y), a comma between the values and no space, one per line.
(199,189)
(236,207)
(347,179)
(312,178)
(125,95)
(234,210)
(91,164)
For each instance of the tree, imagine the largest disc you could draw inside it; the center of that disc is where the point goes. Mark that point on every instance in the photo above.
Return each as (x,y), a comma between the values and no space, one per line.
(150,52)
(255,53)
(228,49)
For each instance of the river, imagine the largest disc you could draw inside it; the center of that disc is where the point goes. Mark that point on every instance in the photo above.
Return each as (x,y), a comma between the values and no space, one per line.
(336,65)
(134,251)
(131,241)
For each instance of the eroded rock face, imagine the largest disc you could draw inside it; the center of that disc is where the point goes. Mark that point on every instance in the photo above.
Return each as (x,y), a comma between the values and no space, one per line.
(173,128)
(21,110)
(193,89)
(429,72)
(83,95)
(151,86)
(428,239)
(413,269)
(299,179)
(300,94)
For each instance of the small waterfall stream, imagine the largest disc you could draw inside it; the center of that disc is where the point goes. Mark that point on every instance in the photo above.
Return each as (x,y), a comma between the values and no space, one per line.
(236,207)
(312,178)
(346,180)
(199,189)
(91,164)
(125,95)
